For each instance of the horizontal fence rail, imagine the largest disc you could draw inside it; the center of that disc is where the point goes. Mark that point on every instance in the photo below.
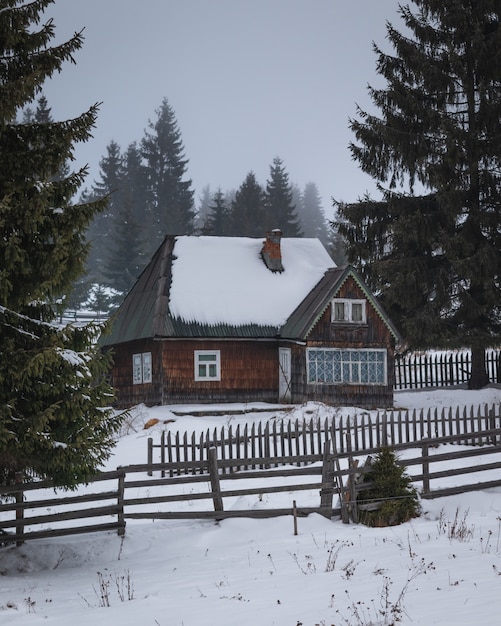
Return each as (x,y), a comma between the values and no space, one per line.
(328,470)
(442,369)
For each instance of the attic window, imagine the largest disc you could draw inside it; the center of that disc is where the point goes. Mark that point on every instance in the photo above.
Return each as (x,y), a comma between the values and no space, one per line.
(348,311)
(207,365)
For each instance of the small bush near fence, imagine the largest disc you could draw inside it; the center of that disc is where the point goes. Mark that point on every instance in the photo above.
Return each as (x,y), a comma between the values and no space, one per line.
(391,498)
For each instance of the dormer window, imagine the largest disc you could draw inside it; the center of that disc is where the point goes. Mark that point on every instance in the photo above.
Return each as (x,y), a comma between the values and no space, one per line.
(348,311)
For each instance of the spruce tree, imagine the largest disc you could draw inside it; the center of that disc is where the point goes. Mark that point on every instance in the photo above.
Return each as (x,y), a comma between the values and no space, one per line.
(281,212)
(108,185)
(170,201)
(53,396)
(431,245)
(311,215)
(203,208)
(125,259)
(391,498)
(217,221)
(248,209)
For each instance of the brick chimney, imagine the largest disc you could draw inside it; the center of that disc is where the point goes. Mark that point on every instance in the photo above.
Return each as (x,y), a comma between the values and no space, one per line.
(271,252)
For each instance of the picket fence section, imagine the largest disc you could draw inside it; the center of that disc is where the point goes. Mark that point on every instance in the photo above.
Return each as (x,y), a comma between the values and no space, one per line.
(441,369)
(304,440)
(321,459)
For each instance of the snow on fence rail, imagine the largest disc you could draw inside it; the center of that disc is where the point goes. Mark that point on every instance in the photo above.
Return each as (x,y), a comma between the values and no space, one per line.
(441,369)
(178,485)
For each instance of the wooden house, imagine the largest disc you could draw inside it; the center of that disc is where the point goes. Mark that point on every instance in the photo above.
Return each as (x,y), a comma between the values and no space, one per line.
(235,319)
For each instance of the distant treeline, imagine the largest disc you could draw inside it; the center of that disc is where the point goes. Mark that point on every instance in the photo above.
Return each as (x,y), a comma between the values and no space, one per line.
(150,195)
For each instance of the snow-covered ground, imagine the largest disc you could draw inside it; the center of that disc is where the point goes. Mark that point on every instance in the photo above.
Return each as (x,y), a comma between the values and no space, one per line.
(442,568)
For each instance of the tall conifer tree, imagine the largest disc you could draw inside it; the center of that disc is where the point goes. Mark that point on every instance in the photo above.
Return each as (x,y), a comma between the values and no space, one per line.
(217,221)
(108,185)
(435,255)
(53,423)
(281,212)
(248,209)
(311,214)
(171,206)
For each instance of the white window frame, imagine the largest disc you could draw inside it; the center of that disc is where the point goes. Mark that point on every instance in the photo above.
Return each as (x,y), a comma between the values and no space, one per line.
(349,367)
(198,361)
(142,369)
(348,310)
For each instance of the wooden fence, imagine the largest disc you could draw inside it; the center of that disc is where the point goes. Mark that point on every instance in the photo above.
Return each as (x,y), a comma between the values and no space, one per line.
(304,439)
(323,474)
(57,509)
(442,369)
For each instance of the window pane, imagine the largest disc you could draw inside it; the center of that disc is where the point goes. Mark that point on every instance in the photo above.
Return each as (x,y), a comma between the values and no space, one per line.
(212,370)
(346,373)
(357,312)
(207,357)
(339,311)
(137,369)
(355,378)
(202,370)
(147,374)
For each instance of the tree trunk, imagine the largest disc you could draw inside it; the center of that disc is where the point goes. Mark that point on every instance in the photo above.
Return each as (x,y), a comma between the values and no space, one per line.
(479,377)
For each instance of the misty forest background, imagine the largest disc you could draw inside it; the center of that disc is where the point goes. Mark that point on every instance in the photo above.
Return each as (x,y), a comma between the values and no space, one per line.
(150,195)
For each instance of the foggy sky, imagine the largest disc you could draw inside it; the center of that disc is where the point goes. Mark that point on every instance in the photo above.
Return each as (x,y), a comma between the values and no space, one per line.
(248,80)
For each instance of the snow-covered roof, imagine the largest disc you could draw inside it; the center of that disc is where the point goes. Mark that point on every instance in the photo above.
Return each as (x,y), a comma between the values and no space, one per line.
(223,280)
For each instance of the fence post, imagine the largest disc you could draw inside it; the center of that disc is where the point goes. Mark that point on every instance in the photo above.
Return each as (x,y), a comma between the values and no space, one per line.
(426,470)
(492,424)
(162,452)
(19,511)
(150,455)
(120,503)
(214,480)
(326,493)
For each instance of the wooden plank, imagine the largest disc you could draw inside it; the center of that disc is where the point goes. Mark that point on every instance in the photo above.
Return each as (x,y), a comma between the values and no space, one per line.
(214,480)
(61,532)
(61,517)
(247,513)
(36,504)
(450,491)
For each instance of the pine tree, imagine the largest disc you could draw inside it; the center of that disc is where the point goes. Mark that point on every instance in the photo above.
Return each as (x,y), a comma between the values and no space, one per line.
(434,255)
(53,423)
(203,208)
(281,212)
(217,221)
(125,259)
(171,205)
(391,490)
(108,185)
(311,215)
(248,209)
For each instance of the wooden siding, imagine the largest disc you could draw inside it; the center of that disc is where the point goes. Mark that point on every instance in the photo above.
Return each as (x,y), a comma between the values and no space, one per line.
(249,372)
(249,369)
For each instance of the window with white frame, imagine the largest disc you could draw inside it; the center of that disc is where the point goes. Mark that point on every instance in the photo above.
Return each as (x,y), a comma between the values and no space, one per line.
(141,368)
(336,366)
(207,365)
(348,311)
